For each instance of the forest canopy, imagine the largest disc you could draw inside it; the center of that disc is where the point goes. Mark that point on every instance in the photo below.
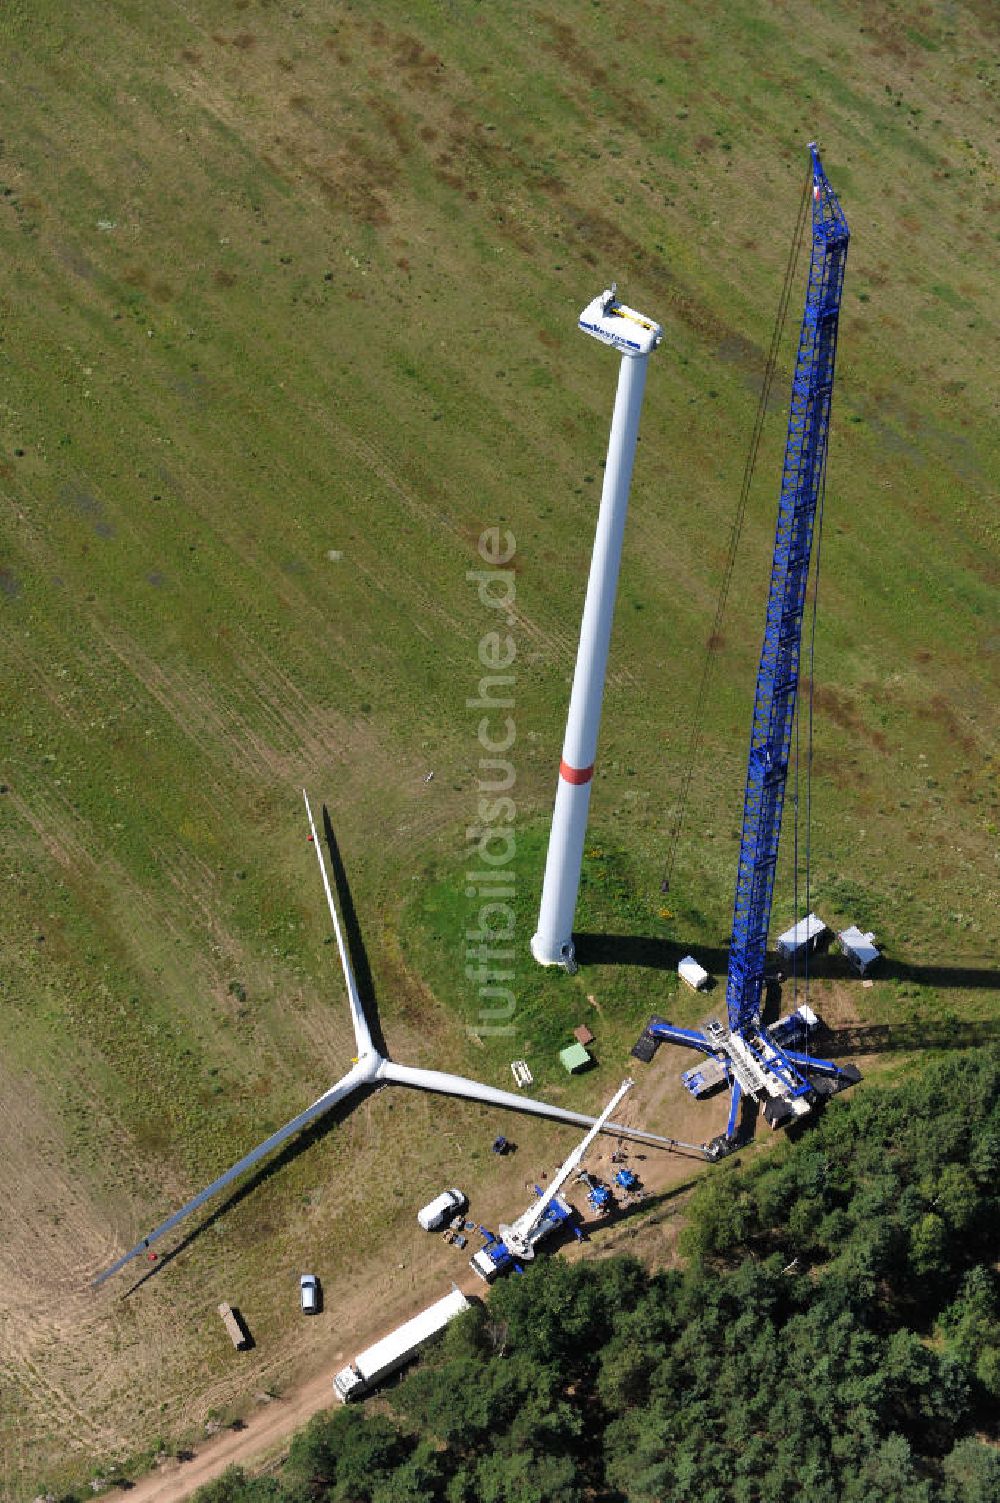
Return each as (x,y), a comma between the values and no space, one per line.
(834,1334)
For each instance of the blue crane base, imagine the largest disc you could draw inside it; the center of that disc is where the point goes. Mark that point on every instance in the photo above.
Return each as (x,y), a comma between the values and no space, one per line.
(754,1061)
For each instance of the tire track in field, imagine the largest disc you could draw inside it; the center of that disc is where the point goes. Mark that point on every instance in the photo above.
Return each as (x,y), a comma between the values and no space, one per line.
(297,736)
(198,889)
(555,640)
(430,608)
(58,691)
(84,854)
(57,828)
(325,738)
(51,1234)
(50,1398)
(313,734)
(192,707)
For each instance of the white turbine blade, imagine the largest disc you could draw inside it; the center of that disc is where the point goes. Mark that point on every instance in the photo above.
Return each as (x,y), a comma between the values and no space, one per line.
(344,1087)
(458,1085)
(362,1034)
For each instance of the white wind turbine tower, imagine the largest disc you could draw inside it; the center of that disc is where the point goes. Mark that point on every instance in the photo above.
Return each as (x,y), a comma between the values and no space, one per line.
(370,1069)
(635,337)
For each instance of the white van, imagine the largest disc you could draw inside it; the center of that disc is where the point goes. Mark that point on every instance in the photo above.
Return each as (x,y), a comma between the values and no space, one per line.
(434,1215)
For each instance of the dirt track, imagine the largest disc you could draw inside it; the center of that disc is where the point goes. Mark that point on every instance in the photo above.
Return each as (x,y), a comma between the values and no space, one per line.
(265,1431)
(268,1429)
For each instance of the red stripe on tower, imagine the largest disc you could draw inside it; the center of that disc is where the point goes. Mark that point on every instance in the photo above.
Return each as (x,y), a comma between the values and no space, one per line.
(575,775)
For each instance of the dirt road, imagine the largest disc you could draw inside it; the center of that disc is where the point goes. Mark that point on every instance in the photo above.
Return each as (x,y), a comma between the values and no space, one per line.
(265,1434)
(267,1430)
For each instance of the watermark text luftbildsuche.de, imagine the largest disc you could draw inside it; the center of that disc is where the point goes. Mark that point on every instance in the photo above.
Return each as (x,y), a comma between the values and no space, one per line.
(491,876)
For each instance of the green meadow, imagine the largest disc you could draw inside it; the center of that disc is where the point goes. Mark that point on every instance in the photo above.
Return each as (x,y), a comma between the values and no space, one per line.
(287,322)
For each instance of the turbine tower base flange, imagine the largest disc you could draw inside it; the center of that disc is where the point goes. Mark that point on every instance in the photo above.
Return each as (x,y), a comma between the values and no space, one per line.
(554,953)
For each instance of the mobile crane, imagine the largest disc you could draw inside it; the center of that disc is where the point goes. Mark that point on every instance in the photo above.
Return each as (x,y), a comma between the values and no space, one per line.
(516,1242)
(785,1081)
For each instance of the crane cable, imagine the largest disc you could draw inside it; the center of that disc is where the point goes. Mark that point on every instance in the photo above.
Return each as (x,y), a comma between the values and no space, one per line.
(812,679)
(694,745)
(811,655)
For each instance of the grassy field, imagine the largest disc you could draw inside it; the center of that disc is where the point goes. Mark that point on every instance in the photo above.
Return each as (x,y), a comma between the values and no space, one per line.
(289,315)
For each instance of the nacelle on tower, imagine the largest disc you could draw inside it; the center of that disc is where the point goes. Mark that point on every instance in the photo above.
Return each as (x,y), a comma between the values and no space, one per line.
(611,322)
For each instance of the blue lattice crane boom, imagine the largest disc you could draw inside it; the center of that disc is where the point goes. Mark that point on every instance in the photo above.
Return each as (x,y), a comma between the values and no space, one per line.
(778,673)
(758,1062)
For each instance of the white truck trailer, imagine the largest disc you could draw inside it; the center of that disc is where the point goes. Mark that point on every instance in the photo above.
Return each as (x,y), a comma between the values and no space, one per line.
(378,1362)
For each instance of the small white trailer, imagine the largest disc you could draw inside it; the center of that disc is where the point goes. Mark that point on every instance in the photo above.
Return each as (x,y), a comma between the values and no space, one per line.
(387,1356)
(804,938)
(859,949)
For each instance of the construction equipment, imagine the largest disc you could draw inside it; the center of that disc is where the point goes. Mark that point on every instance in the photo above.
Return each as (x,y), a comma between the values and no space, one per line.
(756,1064)
(371,1069)
(516,1242)
(599,1197)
